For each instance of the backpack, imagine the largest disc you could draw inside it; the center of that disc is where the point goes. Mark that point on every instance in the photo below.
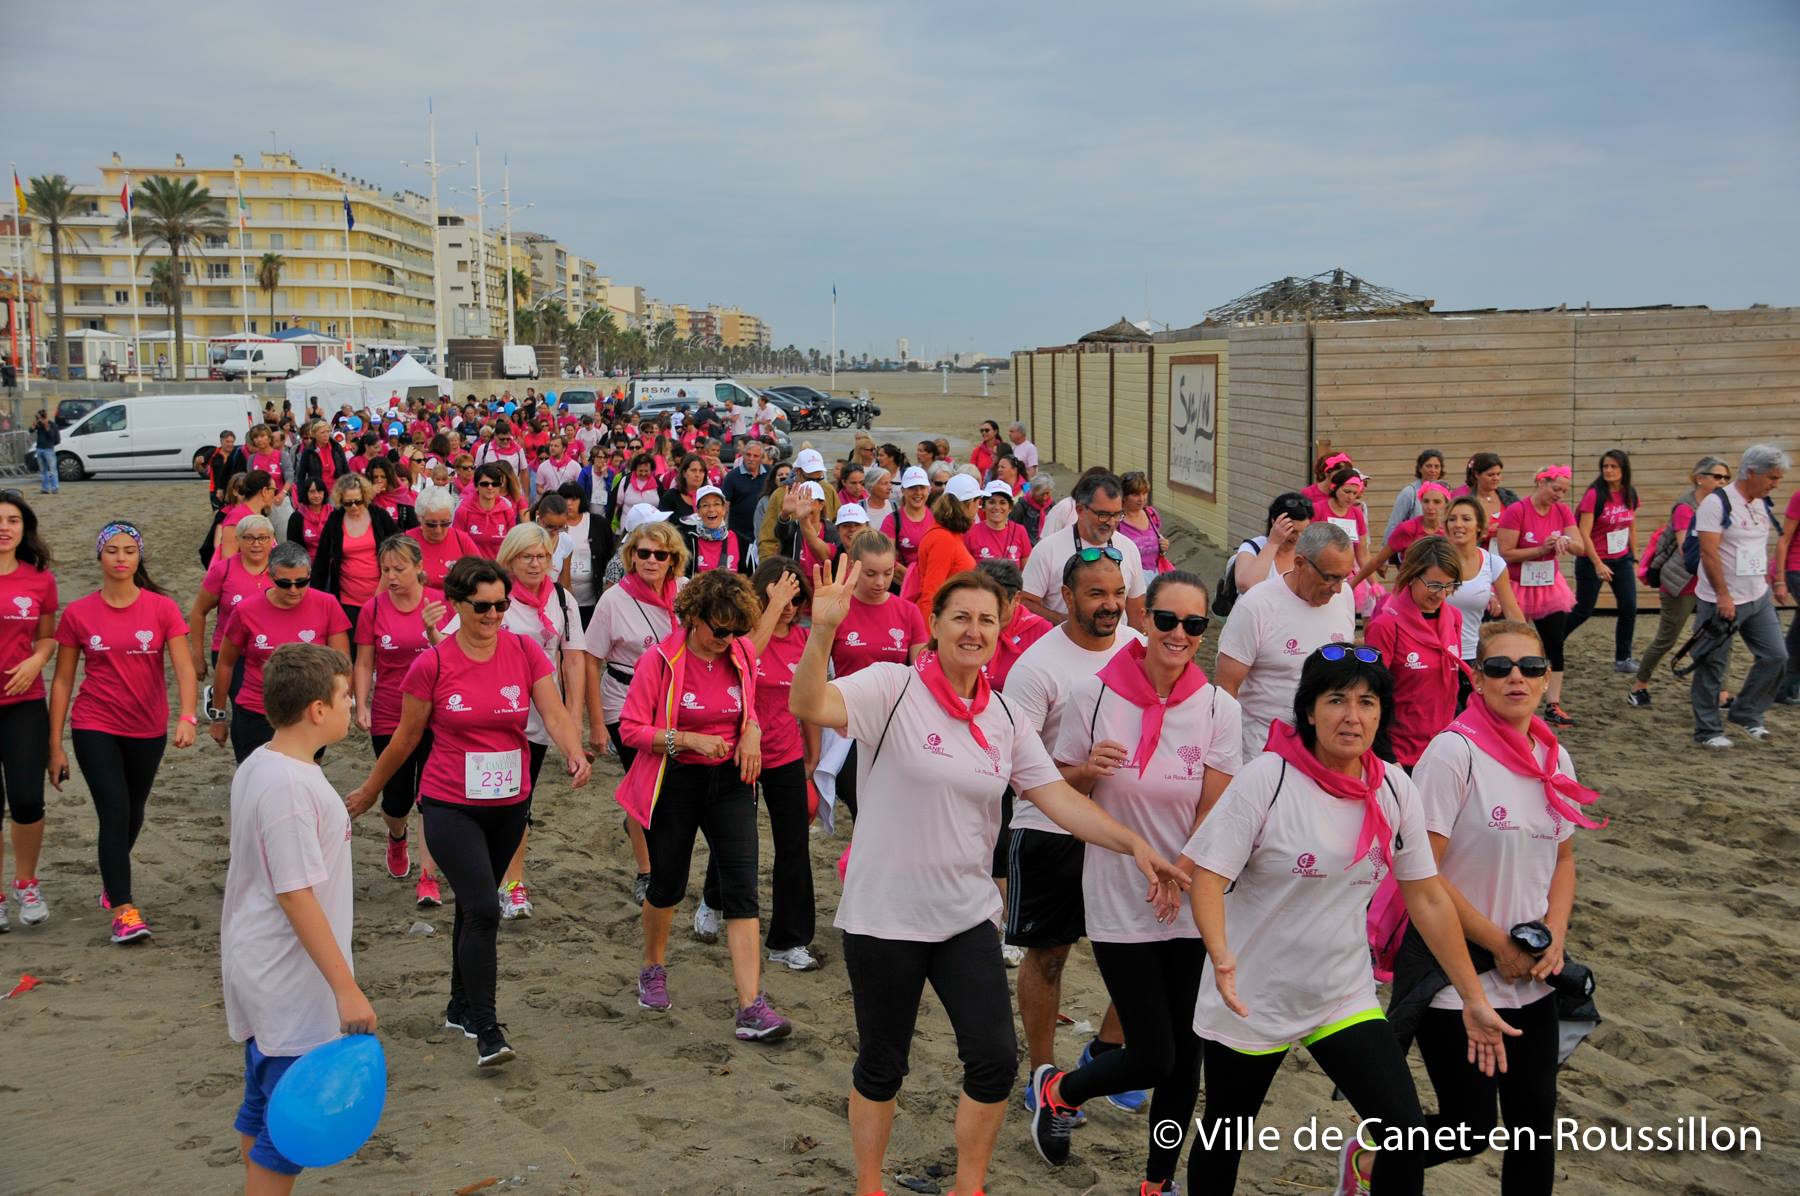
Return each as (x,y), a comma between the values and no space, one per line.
(1226,595)
(1690,547)
(1663,546)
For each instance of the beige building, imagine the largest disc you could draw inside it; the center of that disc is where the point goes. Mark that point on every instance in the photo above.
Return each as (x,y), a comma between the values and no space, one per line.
(627,305)
(471,279)
(739,329)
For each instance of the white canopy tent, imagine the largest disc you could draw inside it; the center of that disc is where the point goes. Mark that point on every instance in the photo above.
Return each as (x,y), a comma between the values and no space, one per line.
(331,382)
(406,374)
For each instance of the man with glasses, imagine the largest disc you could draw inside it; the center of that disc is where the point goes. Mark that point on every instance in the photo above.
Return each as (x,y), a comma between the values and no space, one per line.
(1275,627)
(1099,505)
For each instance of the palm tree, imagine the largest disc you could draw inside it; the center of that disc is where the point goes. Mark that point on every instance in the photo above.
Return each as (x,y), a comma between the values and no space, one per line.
(178,214)
(52,200)
(161,291)
(268,277)
(662,343)
(552,315)
(598,331)
(525,321)
(521,280)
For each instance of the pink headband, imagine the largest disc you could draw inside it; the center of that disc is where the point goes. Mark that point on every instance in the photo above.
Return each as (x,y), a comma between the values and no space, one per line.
(1340,459)
(1552,472)
(1428,487)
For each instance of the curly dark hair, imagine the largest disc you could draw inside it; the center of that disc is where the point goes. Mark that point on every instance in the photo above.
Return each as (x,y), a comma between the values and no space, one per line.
(718,598)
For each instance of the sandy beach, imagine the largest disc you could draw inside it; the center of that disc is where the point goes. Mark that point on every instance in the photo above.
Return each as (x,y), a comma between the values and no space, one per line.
(119,1076)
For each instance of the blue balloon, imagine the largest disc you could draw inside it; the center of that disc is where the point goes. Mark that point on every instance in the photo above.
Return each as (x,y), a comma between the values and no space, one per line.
(353,422)
(327,1105)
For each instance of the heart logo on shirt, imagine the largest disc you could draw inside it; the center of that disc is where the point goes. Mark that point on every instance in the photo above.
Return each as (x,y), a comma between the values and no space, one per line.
(510,693)
(898,634)
(144,638)
(306,637)
(24,605)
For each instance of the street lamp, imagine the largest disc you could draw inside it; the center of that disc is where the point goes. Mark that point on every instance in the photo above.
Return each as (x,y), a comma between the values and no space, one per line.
(434,168)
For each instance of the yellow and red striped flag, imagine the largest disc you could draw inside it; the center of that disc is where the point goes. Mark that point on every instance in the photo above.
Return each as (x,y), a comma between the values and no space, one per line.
(18,193)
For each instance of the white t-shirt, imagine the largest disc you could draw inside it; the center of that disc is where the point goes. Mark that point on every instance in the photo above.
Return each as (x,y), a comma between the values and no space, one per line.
(1471,598)
(1297,917)
(574,547)
(1274,630)
(556,629)
(1060,515)
(1503,845)
(1202,732)
(289,831)
(766,414)
(1027,454)
(928,809)
(622,630)
(1743,547)
(1044,571)
(1038,688)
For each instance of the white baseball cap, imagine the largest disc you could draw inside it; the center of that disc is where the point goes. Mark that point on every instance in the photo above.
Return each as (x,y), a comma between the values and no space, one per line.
(813,491)
(639,515)
(962,488)
(914,476)
(810,461)
(703,492)
(999,489)
(851,512)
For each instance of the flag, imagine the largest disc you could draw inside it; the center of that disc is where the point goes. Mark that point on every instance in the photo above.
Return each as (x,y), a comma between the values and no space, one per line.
(243,210)
(834,292)
(349,217)
(18,193)
(125,196)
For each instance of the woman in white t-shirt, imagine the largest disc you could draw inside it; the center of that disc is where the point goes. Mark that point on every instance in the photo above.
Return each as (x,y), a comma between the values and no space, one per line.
(1301,838)
(1272,554)
(1501,807)
(918,903)
(1154,743)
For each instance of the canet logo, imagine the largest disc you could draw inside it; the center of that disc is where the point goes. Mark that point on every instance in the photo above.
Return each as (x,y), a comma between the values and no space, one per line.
(1305,864)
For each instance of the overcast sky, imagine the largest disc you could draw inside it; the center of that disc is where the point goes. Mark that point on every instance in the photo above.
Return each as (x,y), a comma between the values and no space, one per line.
(976,179)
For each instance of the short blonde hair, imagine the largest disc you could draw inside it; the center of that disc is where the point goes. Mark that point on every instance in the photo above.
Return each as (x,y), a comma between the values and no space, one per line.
(661,534)
(520,540)
(340,489)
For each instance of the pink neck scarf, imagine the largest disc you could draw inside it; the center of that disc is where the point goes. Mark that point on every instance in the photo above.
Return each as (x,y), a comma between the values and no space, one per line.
(1125,675)
(638,588)
(931,671)
(1439,638)
(1284,741)
(1483,728)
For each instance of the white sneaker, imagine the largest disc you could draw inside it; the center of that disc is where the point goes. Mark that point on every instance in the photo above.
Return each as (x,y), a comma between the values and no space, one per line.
(515,901)
(1717,741)
(32,909)
(798,959)
(5,923)
(707,923)
(1758,733)
(1014,956)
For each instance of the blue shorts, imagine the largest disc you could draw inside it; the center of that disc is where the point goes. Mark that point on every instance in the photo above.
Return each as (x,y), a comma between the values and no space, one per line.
(261,1074)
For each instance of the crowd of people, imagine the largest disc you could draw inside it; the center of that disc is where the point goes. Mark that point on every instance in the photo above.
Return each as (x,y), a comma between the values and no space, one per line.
(1003,694)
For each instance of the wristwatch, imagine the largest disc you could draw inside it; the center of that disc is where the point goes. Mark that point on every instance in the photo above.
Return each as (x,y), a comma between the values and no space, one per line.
(216,716)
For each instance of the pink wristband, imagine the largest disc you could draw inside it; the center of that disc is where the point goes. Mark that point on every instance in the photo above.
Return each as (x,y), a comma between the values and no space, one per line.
(188,718)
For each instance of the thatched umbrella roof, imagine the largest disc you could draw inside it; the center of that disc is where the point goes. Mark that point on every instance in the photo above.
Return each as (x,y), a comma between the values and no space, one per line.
(1122,333)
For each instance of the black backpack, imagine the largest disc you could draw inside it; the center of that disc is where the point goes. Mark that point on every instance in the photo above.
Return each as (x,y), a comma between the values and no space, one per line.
(1690,547)
(1226,595)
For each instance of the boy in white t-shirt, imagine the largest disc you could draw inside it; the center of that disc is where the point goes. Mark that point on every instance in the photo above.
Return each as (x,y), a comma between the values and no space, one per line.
(284,931)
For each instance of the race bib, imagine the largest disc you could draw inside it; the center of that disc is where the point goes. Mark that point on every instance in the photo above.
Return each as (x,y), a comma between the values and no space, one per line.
(581,566)
(1349,528)
(1537,573)
(1617,541)
(1753,559)
(490,776)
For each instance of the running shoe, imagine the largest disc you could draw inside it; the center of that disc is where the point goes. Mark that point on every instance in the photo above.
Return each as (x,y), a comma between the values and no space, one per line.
(515,900)
(1050,1125)
(128,925)
(456,1017)
(1350,1178)
(756,1022)
(1152,1188)
(399,857)
(1756,733)
(1638,697)
(1717,741)
(798,959)
(653,988)
(105,901)
(491,1047)
(707,923)
(32,909)
(1134,1101)
(1077,1119)
(1628,665)
(1014,956)
(5,922)
(1556,716)
(427,895)
(640,888)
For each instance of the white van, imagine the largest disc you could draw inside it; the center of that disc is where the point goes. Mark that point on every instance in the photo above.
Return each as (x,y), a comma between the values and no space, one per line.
(718,389)
(152,434)
(260,361)
(518,361)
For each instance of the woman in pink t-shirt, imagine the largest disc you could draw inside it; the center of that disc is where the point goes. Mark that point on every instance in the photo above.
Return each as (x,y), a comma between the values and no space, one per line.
(1419,634)
(690,716)
(346,565)
(1433,500)
(1606,518)
(441,543)
(401,621)
(474,691)
(259,495)
(28,603)
(120,716)
(390,492)
(1535,534)
(878,627)
(910,523)
(918,903)
(489,515)
(1342,506)
(998,537)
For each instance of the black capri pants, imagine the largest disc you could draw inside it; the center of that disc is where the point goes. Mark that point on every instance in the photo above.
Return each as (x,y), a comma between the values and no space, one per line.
(472,845)
(1525,1092)
(1553,629)
(402,790)
(887,978)
(120,771)
(710,800)
(25,730)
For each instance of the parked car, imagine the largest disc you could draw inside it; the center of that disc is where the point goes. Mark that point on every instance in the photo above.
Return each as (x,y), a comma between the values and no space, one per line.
(840,413)
(68,411)
(579,400)
(152,433)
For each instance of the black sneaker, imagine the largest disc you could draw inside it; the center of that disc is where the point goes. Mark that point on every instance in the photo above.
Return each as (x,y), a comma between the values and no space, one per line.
(491,1047)
(1556,716)
(1638,697)
(1049,1127)
(456,1017)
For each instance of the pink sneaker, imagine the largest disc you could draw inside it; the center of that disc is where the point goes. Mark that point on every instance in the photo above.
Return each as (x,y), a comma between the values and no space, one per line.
(399,858)
(128,925)
(515,900)
(1350,1177)
(427,894)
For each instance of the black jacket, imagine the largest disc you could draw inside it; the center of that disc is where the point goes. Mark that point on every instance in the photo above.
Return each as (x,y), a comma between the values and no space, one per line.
(309,467)
(331,545)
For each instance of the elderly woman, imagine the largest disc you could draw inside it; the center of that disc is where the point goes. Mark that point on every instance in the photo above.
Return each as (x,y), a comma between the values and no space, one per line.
(441,542)
(322,459)
(878,495)
(346,565)
(1034,505)
(230,581)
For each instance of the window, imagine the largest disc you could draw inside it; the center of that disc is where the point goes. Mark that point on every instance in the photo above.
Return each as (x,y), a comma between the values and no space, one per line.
(277,211)
(277,241)
(110,418)
(281,325)
(121,297)
(309,241)
(218,270)
(116,268)
(312,211)
(310,270)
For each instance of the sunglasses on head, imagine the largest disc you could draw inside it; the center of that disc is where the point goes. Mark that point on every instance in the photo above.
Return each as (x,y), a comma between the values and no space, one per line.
(1501,667)
(1337,652)
(653,554)
(1089,555)
(291,583)
(499,604)
(1168,620)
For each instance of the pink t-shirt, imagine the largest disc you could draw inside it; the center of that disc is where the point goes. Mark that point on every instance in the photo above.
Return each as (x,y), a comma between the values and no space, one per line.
(1612,526)
(477,707)
(485,529)
(1503,844)
(781,740)
(716,554)
(1354,523)
(397,638)
(1424,697)
(1296,918)
(232,584)
(1010,543)
(440,556)
(1024,629)
(1407,533)
(621,630)
(312,526)
(1200,733)
(1792,564)
(712,703)
(236,515)
(269,463)
(260,627)
(928,811)
(1537,582)
(123,690)
(909,534)
(882,631)
(27,594)
(358,571)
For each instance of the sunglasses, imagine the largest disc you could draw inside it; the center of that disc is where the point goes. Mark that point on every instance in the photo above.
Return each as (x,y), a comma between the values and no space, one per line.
(653,554)
(348,503)
(499,604)
(726,633)
(1717,477)
(1501,667)
(465,469)
(436,525)
(1090,555)
(487,485)
(1168,620)
(1337,652)
(291,583)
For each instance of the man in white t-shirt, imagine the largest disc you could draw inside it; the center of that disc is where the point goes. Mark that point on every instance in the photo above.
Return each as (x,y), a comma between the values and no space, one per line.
(1099,505)
(1277,625)
(766,415)
(1044,912)
(1024,451)
(1733,524)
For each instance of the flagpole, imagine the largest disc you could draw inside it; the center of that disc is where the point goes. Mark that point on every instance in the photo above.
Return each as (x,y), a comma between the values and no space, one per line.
(487,325)
(350,290)
(137,331)
(437,305)
(21,312)
(833,383)
(506,266)
(243,266)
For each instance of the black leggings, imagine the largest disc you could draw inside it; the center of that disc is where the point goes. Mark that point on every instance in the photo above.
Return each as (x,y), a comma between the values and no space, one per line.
(1363,1060)
(249,731)
(472,846)
(1153,986)
(1526,1092)
(25,730)
(791,916)
(846,782)
(710,800)
(402,790)
(627,753)
(1553,629)
(1624,588)
(119,772)
(887,978)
